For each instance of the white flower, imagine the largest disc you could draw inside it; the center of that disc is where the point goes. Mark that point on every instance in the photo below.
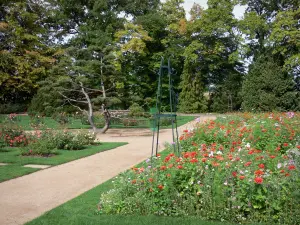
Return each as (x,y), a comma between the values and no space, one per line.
(279,165)
(211,154)
(219,153)
(248,145)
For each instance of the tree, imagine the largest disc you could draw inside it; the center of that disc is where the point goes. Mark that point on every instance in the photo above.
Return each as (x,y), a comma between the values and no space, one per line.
(215,49)
(192,98)
(25,55)
(267,88)
(285,41)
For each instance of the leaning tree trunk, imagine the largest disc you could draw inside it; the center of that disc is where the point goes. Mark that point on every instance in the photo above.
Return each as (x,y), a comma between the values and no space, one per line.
(90,109)
(107,117)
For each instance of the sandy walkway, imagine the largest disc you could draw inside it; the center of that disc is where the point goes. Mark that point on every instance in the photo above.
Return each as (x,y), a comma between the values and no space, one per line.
(25,198)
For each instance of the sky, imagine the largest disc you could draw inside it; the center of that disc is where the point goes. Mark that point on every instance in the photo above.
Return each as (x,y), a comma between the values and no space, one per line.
(238,10)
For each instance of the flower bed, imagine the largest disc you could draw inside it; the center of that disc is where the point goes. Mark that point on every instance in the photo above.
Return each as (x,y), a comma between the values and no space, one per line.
(242,168)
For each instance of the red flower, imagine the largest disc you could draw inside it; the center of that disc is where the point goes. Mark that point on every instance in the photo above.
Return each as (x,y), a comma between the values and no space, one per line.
(133,181)
(247,164)
(258,180)
(168,175)
(204,159)
(298,146)
(186,155)
(282,171)
(258,172)
(158,155)
(150,180)
(160,187)
(262,166)
(242,177)
(163,168)
(287,175)
(285,144)
(179,166)
(185,131)
(272,156)
(167,158)
(292,167)
(234,174)
(193,160)
(170,166)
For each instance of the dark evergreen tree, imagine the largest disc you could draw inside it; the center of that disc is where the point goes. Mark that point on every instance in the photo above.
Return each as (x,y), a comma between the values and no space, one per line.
(268,88)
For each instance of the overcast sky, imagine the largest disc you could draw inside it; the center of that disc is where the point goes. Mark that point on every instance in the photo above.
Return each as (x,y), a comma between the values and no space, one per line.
(238,10)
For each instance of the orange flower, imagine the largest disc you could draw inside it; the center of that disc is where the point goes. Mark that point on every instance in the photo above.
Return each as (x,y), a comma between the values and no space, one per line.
(161,187)
(242,177)
(215,164)
(133,181)
(204,159)
(163,168)
(193,160)
(258,172)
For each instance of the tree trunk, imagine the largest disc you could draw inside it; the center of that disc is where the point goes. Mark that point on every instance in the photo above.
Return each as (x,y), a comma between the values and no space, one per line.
(107,117)
(101,75)
(90,111)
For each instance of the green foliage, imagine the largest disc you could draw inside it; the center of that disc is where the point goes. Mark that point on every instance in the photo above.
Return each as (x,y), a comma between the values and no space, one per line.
(47,143)
(25,56)
(135,110)
(12,108)
(192,98)
(267,88)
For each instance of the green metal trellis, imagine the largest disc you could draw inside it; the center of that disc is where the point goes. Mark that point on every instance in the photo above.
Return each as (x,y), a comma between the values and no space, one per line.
(156,112)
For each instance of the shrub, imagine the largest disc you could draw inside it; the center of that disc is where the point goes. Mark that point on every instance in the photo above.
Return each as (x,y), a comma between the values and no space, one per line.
(238,169)
(136,110)
(37,120)
(129,122)
(62,118)
(12,108)
(13,135)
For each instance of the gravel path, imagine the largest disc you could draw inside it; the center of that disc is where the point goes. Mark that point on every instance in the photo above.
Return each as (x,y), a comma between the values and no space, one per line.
(25,198)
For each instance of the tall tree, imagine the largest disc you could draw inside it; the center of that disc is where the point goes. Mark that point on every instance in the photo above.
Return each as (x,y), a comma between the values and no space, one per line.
(215,42)
(285,41)
(25,54)
(267,87)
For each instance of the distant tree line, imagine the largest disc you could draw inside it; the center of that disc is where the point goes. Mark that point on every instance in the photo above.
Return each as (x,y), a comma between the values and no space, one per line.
(49,49)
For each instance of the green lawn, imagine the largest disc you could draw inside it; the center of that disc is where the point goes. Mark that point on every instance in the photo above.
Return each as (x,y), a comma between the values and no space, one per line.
(12,171)
(15,169)
(24,122)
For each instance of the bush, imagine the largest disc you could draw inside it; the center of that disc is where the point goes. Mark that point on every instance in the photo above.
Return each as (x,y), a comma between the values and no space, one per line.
(129,122)
(13,135)
(238,169)
(62,118)
(165,121)
(48,142)
(136,110)
(12,108)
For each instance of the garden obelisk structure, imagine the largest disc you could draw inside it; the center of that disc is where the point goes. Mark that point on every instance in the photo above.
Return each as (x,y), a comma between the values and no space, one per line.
(165,70)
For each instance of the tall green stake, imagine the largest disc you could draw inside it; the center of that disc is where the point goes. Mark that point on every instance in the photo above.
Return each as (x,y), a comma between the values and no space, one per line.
(156,112)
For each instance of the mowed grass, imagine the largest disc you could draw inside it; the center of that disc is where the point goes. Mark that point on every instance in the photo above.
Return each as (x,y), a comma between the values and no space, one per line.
(12,171)
(25,122)
(16,161)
